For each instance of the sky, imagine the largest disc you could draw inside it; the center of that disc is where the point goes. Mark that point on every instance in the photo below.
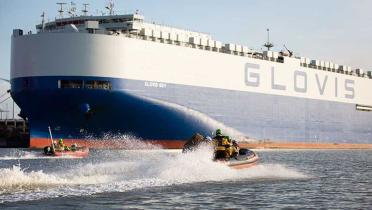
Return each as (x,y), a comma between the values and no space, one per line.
(333,30)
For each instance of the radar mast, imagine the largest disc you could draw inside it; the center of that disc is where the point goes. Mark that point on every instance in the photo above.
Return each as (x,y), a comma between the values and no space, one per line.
(61,9)
(110,7)
(72,10)
(85,11)
(268,44)
(42,21)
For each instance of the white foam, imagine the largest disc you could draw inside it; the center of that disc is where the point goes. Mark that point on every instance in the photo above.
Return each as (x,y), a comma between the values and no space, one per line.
(15,154)
(137,169)
(34,155)
(17,179)
(131,142)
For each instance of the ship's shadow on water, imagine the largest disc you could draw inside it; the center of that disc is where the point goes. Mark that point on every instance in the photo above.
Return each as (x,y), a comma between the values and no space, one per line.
(165,179)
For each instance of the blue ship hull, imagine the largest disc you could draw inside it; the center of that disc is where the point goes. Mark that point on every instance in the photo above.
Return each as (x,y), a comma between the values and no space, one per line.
(176,112)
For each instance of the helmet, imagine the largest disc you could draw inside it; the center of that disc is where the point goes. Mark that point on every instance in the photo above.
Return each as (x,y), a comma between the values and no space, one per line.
(60,141)
(218,132)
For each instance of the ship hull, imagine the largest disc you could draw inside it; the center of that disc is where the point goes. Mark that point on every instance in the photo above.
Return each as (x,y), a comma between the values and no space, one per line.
(171,115)
(94,87)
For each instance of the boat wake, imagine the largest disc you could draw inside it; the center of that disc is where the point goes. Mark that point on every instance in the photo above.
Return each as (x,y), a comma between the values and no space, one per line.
(130,170)
(30,155)
(17,154)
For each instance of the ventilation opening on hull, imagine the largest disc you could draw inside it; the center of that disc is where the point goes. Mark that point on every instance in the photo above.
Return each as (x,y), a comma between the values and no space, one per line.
(90,84)
(106,85)
(363,108)
(70,84)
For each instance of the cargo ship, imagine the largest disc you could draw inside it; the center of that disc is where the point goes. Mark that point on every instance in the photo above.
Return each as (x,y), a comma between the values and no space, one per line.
(88,76)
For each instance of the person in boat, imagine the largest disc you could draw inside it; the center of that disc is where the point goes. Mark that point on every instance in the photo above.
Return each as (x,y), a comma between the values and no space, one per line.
(61,146)
(74,147)
(194,142)
(224,147)
(221,145)
(236,148)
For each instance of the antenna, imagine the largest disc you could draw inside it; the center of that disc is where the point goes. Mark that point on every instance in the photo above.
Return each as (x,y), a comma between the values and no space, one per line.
(289,51)
(61,9)
(85,11)
(42,21)
(110,7)
(268,44)
(72,11)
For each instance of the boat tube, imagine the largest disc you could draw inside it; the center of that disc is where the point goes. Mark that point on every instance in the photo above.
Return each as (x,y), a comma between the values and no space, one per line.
(245,159)
(79,152)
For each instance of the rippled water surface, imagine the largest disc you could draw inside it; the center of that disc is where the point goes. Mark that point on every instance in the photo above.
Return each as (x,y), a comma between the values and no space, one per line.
(161,179)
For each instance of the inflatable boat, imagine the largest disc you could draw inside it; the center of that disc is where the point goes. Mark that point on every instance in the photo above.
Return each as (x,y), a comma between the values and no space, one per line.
(244,158)
(80,152)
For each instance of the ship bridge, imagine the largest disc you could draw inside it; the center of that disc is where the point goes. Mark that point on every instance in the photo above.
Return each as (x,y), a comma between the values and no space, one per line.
(110,22)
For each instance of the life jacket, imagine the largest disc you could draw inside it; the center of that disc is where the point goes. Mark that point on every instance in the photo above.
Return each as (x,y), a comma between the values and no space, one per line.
(60,146)
(225,141)
(221,142)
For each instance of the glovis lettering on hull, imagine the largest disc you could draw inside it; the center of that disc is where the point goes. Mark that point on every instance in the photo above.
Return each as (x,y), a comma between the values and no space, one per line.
(299,82)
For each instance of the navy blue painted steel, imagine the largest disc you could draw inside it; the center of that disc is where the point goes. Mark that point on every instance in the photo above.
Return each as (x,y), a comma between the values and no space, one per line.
(125,109)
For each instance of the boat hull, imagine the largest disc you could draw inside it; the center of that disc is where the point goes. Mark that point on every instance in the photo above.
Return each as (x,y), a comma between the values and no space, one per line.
(80,153)
(243,164)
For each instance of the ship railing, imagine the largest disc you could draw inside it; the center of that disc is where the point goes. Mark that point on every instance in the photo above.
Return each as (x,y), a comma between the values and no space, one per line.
(254,55)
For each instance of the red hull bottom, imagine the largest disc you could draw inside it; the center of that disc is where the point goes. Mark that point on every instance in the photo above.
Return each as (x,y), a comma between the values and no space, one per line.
(40,143)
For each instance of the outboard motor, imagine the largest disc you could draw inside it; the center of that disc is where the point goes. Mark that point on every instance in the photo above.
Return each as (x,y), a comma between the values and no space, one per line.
(48,150)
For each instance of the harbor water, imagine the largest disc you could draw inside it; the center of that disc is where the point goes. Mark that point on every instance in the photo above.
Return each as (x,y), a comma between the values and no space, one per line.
(167,179)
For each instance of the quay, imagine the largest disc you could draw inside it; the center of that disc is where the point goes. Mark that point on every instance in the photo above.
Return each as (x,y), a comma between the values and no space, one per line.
(14,133)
